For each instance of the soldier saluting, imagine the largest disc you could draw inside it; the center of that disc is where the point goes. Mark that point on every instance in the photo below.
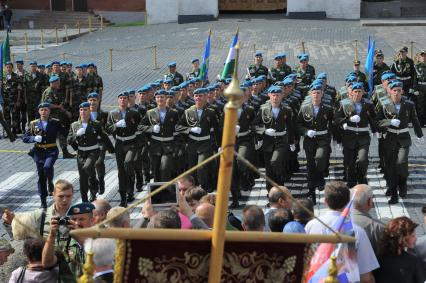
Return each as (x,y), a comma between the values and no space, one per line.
(314,123)
(393,119)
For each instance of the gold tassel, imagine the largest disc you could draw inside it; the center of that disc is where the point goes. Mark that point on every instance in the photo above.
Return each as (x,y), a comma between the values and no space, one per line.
(88,269)
(332,272)
(120,254)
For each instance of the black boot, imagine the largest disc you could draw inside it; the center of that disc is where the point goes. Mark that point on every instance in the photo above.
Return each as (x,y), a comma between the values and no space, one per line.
(139,182)
(123,202)
(43,203)
(50,188)
(66,154)
(403,189)
(235,204)
(147,178)
(312,196)
(101,186)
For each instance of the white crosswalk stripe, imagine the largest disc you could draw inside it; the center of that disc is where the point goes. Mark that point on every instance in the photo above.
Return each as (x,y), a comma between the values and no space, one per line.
(15,181)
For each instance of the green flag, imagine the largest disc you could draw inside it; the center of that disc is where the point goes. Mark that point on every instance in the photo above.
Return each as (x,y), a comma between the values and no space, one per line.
(230,60)
(6,49)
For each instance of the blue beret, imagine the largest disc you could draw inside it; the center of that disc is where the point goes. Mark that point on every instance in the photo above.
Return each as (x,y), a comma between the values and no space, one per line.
(247,84)
(351,79)
(93,95)
(357,85)
(170,93)
(53,79)
(291,76)
(131,91)
(171,64)
(279,84)
(228,81)
(317,81)
(8,63)
(69,63)
(44,105)
(283,55)
(54,63)
(81,208)
(79,66)
(195,60)
(19,61)
(124,93)
(211,88)
(388,76)
(201,91)
(143,89)
(262,78)
(303,56)
(196,80)
(33,63)
(395,84)
(62,63)
(244,88)
(274,89)
(91,64)
(288,81)
(168,81)
(48,65)
(84,65)
(84,105)
(156,84)
(316,87)
(160,92)
(351,74)
(183,85)
(217,86)
(258,54)
(278,57)
(41,66)
(175,88)
(322,76)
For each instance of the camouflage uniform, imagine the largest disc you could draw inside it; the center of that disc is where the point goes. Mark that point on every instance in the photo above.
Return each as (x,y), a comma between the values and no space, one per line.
(420,90)
(79,95)
(12,88)
(304,78)
(278,74)
(33,89)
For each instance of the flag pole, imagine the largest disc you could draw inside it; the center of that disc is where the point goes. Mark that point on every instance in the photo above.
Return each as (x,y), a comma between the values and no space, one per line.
(234,93)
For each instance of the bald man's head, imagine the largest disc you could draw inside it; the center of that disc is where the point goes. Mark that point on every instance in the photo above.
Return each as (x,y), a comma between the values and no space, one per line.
(279,197)
(205,212)
(102,207)
(363,200)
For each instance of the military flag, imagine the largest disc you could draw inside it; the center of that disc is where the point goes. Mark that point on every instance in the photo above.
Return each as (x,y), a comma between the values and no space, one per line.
(369,64)
(6,49)
(230,60)
(204,70)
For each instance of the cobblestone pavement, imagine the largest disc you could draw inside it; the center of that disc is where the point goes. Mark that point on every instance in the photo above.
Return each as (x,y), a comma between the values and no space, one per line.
(330,44)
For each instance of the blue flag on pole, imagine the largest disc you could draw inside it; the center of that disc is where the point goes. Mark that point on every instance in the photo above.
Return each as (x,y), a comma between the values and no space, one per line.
(369,65)
(204,70)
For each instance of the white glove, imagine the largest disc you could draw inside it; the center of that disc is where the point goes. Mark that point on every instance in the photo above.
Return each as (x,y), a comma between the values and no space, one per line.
(237,129)
(311,133)
(121,124)
(196,130)
(395,122)
(345,126)
(355,119)
(258,145)
(416,93)
(292,147)
(219,149)
(411,90)
(378,135)
(156,129)
(81,132)
(38,138)
(270,132)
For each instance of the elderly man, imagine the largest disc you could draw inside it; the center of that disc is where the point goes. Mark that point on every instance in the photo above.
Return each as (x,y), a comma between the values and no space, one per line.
(103,258)
(253,219)
(279,197)
(337,196)
(5,250)
(121,217)
(205,211)
(363,203)
(102,207)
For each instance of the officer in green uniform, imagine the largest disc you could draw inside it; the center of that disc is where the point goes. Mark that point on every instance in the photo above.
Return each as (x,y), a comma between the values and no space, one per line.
(21,72)
(122,124)
(354,115)
(361,77)
(314,123)
(328,89)
(33,81)
(84,136)
(58,111)
(257,69)
(160,123)
(97,114)
(175,76)
(81,216)
(45,77)
(94,81)
(195,72)
(379,67)
(420,88)
(281,69)
(12,94)
(275,131)
(305,73)
(6,126)
(393,120)
(79,91)
(197,122)
(403,67)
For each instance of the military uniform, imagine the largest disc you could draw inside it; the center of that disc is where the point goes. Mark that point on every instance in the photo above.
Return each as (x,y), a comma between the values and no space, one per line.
(33,90)
(192,75)
(78,95)
(176,77)
(125,150)
(254,71)
(12,91)
(356,138)
(45,152)
(397,143)
(6,126)
(278,74)
(23,102)
(405,72)
(378,71)
(304,78)
(95,84)
(420,88)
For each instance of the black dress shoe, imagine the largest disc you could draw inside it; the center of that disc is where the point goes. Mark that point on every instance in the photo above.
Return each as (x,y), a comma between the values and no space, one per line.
(234,205)
(393,200)
(50,188)
(92,197)
(388,193)
(101,187)
(123,203)
(130,199)
(403,194)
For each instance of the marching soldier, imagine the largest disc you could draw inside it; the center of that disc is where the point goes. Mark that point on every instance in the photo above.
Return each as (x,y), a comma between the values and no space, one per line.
(379,67)
(281,69)
(84,138)
(175,76)
(198,120)
(43,132)
(393,119)
(420,88)
(328,89)
(305,73)
(21,72)
(51,95)
(275,130)
(161,123)
(314,123)
(195,72)
(12,91)
(122,124)
(354,115)
(361,77)
(97,114)
(257,69)
(33,82)
(403,67)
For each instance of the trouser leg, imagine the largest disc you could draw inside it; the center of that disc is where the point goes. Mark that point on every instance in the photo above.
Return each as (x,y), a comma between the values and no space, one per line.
(203,173)
(83,179)
(349,157)
(362,164)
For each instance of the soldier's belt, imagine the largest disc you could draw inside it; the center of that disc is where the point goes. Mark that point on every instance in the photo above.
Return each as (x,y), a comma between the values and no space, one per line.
(421,83)
(320,133)
(88,148)
(120,138)
(403,78)
(47,145)
(243,134)
(278,134)
(165,139)
(362,129)
(399,131)
(205,138)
